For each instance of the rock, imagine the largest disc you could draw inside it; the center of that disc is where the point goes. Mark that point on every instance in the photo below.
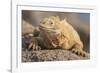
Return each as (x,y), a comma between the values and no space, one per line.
(50,55)
(27,28)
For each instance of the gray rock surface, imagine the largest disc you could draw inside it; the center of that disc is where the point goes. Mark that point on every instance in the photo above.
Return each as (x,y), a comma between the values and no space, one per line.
(50,55)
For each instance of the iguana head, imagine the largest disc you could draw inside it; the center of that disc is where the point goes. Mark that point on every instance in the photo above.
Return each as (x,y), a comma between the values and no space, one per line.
(50,28)
(50,24)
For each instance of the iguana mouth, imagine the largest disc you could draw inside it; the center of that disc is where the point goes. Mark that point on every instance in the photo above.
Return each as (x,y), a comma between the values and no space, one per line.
(48,29)
(45,27)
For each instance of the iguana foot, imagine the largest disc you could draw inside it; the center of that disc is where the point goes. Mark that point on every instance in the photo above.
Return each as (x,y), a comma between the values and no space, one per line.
(79,52)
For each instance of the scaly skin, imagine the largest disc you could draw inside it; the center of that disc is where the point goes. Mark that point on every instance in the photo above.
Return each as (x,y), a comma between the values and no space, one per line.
(56,33)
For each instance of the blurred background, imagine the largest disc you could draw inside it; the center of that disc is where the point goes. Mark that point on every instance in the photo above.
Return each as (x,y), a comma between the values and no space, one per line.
(80,21)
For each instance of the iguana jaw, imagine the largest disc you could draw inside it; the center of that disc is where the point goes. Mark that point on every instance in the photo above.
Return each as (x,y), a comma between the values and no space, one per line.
(48,29)
(45,27)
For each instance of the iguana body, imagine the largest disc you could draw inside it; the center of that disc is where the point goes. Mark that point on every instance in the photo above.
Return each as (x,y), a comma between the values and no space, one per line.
(56,33)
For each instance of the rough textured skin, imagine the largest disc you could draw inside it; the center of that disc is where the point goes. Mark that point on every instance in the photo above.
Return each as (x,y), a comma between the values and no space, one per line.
(56,33)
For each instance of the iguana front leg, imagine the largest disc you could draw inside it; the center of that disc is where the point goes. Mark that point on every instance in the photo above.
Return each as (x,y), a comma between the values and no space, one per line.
(34,45)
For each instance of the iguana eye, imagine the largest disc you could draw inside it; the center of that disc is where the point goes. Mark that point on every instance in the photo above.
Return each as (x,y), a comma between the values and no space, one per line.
(51,22)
